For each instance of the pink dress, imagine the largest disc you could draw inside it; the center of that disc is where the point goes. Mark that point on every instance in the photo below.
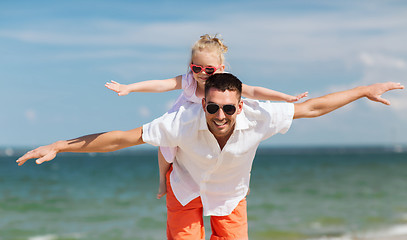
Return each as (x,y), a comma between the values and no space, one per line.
(188,95)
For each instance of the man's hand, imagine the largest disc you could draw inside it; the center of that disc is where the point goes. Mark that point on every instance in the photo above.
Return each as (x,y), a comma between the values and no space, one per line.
(375,91)
(44,154)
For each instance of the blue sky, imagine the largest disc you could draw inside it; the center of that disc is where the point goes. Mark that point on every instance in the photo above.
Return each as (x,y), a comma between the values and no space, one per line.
(55,57)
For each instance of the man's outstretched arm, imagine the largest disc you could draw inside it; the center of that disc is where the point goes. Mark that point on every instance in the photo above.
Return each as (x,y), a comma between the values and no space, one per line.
(316,107)
(101,142)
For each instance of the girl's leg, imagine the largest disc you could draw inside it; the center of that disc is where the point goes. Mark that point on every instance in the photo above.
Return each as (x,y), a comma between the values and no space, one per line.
(163,167)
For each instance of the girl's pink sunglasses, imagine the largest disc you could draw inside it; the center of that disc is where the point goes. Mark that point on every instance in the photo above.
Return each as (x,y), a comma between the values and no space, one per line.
(208,70)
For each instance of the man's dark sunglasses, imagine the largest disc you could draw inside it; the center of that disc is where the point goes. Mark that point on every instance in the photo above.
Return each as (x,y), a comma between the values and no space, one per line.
(212,108)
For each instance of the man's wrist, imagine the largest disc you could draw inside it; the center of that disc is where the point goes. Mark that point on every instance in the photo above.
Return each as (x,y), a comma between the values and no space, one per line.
(59,146)
(362,91)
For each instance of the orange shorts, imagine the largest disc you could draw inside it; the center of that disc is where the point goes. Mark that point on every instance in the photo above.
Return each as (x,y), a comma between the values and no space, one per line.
(186,222)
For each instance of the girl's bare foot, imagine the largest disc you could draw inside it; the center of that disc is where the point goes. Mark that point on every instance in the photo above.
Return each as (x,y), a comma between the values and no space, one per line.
(162,190)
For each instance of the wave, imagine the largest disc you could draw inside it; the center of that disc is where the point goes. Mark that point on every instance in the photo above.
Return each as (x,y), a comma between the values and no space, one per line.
(397,232)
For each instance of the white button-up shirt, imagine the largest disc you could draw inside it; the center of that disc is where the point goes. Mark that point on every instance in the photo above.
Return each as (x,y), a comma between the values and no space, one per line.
(220,177)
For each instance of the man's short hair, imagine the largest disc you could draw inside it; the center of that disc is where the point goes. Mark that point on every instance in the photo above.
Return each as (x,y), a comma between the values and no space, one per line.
(223,82)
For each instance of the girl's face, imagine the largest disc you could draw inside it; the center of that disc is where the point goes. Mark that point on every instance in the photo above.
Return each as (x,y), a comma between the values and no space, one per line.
(206,58)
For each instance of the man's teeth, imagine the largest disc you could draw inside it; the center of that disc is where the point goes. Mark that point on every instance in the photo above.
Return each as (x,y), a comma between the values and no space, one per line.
(220,123)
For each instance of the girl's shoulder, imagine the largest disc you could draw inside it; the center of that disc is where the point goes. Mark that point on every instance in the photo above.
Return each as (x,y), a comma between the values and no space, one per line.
(189,86)
(188,80)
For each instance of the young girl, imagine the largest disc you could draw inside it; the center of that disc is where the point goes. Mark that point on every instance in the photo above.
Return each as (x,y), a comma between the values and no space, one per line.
(207,58)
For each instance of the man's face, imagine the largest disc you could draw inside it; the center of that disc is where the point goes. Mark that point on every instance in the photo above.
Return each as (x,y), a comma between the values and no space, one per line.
(220,123)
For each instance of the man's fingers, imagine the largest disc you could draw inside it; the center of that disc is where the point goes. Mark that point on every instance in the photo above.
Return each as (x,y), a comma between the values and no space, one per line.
(40,160)
(46,158)
(379,99)
(24,158)
(384,101)
(399,86)
(42,153)
(393,86)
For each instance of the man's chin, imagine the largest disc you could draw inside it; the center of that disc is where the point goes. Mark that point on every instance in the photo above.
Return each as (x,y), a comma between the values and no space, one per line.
(220,132)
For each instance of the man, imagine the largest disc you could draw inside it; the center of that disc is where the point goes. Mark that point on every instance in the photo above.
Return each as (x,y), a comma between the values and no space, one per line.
(211,172)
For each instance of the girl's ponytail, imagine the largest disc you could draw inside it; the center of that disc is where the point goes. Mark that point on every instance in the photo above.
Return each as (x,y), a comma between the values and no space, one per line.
(210,42)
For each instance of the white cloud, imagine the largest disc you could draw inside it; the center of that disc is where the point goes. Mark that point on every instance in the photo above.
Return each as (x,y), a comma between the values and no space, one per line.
(399,104)
(98,54)
(101,33)
(30,115)
(299,37)
(378,67)
(144,111)
(375,68)
(382,61)
(383,68)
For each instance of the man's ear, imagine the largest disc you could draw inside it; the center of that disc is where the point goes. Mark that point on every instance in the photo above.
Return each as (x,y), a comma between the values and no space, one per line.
(240,106)
(204,104)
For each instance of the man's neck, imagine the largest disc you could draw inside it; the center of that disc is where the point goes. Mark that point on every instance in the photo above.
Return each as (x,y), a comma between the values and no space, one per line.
(223,140)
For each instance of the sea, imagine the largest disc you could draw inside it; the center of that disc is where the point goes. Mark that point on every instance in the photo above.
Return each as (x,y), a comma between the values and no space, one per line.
(304,193)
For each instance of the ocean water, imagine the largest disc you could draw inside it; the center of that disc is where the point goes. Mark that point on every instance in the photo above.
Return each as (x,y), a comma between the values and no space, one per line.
(296,194)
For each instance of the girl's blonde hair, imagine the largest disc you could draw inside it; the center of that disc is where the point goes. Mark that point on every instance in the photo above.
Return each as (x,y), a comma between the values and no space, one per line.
(214,43)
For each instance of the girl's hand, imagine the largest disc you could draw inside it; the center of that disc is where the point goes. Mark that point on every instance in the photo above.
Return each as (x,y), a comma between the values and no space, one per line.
(298,97)
(121,89)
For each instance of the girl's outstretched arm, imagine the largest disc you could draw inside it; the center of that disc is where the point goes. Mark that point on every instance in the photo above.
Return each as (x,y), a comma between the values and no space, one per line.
(146,86)
(261,93)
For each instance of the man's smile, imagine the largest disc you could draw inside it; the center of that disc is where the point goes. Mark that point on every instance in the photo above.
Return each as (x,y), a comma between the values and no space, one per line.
(220,123)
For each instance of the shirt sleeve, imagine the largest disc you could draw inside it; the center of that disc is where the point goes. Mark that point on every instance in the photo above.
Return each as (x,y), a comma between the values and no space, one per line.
(281,117)
(171,128)
(160,132)
(270,118)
